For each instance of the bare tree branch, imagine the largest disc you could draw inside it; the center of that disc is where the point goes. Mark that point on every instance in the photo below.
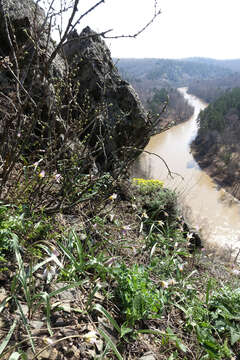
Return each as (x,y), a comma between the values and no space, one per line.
(70,27)
(156,14)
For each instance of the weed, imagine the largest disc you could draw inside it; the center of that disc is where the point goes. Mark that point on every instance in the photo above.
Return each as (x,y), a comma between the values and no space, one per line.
(139,298)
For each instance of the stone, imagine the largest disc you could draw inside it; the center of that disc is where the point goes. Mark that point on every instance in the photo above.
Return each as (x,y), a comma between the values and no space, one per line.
(114,105)
(148,356)
(25,21)
(37,324)
(28,21)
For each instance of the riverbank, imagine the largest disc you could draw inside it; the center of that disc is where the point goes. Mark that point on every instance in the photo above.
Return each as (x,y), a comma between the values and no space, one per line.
(216,146)
(217,167)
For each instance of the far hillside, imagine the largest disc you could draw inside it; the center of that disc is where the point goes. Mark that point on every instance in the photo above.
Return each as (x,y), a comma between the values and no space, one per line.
(156,81)
(231,64)
(210,90)
(175,73)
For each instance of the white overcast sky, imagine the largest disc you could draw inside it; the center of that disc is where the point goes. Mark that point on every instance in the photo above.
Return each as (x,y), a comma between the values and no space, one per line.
(208,28)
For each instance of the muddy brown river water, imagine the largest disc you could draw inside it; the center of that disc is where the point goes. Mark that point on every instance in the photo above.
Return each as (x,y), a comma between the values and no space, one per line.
(208,208)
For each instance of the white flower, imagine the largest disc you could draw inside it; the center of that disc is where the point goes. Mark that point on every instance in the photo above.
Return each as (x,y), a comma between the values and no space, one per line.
(90,337)
(235,272)
(113,197)
(189,236)
(42,174)
(180,267)
(164,284)
(36,164)
(57,177)
(111,217)
(144,215)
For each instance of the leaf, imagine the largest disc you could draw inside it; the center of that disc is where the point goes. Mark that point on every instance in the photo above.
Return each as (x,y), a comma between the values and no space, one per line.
(177,341)
(15,356)
(125,330)
(92,294)
(25,322)
(8,337)
(110,344)
(180,345)
(153,250)
(235,336)
(4,302)
(46,298)
(101,309)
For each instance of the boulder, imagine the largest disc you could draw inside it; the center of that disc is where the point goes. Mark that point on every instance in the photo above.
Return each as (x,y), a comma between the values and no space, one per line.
(113,101)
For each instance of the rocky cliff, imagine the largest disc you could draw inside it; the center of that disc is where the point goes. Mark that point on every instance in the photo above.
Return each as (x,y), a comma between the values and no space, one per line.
(109,111)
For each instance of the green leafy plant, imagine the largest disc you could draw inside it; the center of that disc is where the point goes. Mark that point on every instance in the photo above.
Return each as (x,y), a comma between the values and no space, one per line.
(138,296)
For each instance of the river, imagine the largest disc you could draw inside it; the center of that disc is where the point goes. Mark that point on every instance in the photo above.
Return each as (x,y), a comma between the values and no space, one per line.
(208,208)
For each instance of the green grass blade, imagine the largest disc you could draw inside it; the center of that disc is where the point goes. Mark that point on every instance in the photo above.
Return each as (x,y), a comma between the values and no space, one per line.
(67,253)
(92,294)
(46,298)
(79,251)
(8,337)
(110,343)
(209,286)
(59,291)
(25,322)
(103,311)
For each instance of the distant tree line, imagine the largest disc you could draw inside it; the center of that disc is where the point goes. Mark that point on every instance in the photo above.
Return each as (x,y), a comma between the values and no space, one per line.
(210,90)
(175,73)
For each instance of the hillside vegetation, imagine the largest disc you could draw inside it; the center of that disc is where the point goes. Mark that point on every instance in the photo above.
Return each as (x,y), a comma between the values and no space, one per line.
(210,90)
(93,264)
(154,77)
(168,71)
(217,145)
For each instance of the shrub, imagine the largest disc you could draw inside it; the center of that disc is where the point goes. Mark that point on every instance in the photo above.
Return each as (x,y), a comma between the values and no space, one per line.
(159,203)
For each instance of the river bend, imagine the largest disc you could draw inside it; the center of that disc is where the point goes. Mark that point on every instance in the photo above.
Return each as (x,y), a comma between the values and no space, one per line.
(215,213)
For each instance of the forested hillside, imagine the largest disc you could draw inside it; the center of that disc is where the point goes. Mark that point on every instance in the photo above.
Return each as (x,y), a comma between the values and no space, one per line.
(170,104)
(173,72)
(210,90)
(231,64)
(152,78)
(217,146)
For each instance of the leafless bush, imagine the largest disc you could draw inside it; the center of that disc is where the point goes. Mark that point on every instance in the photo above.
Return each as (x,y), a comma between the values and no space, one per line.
(47,153)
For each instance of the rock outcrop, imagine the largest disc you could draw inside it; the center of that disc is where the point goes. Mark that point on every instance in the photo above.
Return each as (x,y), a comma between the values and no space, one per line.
(118,106)
(115,117)
(24,24)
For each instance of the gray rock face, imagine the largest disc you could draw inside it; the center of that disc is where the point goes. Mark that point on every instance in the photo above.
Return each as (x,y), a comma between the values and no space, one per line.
(24,17)
(122,112)
(27,22)
(115,117)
